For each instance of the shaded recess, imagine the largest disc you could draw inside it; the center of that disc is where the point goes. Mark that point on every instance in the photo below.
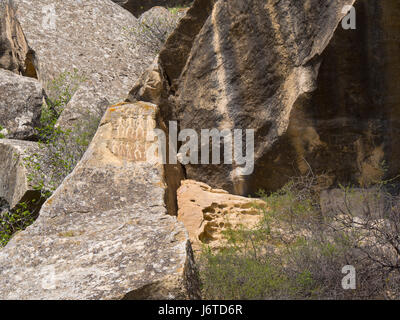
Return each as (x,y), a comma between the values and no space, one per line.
(347,128)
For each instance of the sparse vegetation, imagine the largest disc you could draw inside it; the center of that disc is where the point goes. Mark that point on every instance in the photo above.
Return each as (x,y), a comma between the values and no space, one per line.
(2,136)
(59,152)
(298,250)
(12,221)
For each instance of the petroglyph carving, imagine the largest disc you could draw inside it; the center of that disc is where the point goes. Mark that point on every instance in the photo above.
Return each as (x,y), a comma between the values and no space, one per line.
(130,127)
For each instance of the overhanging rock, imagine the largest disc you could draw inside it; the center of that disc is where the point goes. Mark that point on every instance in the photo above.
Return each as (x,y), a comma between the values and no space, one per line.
(105,233)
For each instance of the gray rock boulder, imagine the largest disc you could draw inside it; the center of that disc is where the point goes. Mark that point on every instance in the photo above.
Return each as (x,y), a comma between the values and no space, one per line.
(91,36)
(17,182)
(106,232)
(21,100)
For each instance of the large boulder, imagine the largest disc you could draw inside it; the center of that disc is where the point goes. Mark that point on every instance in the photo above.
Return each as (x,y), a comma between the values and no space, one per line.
(106,232)
(21,100)
(250,66)
(17,180)
(176,51)
(156,25)
(93,37)
(207,213)
(158,83)
(137,7)
(14,51)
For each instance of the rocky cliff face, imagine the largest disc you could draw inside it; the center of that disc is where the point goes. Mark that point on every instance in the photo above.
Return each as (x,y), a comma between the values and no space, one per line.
(105,233)
(20,105)
(263,60)
(14,51)
(318,97)
(283,81)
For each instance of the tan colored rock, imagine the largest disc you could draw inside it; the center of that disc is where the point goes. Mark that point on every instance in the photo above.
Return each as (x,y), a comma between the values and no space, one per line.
(21,100)
(106,232)
(137,7)
(207,213)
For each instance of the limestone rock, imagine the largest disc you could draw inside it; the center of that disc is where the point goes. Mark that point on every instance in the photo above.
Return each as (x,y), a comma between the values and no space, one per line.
(358,202)
(175,53)
(106,232)
(249,67)
(150,85)
(91,36)
(156,25)
(290,71)
(164,74)
(21,100)
(353,114)
(14,51)
(207,212)
(15,185)
(137,7)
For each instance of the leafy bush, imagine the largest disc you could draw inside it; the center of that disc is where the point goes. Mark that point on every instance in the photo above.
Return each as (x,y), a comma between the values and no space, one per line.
(2,136)
(59,152)
(14,220)
(298,250)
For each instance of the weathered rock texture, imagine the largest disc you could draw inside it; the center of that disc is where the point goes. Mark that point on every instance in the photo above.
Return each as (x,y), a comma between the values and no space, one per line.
(15,183)
(159,83)
(91,36)
(289,71)
(207,213)
(175,53)
(21,100)
(353,114)
(14,51)
(137,7)
(150,85)
(263,60)
(105,233)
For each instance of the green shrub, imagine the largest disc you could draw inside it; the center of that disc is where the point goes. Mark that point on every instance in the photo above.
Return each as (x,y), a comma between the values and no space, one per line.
(2,136)
(298,252)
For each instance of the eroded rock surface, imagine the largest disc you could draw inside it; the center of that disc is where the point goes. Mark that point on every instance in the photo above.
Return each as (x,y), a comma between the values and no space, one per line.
(105,233)
(207,213)
(21,100)
(137,7)
(91,36)
(262,61)
(13,47)
(15,183)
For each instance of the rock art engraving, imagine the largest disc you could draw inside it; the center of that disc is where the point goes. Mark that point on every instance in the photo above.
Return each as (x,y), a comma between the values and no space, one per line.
(130,130)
